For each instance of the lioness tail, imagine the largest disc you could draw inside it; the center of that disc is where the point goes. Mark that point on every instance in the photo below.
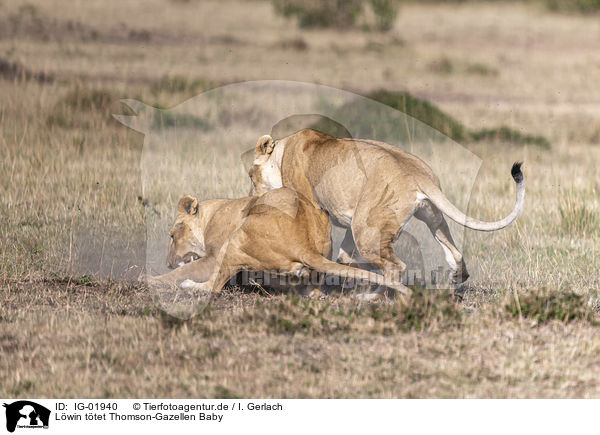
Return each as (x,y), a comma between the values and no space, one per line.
(435,195)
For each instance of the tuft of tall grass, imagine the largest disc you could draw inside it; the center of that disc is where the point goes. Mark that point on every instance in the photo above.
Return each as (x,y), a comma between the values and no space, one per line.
(85,108)
(577,217)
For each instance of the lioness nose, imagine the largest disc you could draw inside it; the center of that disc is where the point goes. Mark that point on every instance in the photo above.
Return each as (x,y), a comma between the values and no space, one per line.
(172,261)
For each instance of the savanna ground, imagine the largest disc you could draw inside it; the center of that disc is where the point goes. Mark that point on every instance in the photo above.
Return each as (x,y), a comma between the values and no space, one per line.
(73,321)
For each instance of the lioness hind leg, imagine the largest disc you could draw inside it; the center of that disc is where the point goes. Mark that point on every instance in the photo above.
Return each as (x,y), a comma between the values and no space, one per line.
(358,276)
(348,253)
(438,226)
(375,230)
(347,249)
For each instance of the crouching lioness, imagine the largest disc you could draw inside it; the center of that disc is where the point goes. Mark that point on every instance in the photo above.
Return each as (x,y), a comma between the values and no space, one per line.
(279,232)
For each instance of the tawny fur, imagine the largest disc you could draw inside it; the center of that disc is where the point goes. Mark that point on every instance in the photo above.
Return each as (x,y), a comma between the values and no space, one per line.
(279,231)
(372,189)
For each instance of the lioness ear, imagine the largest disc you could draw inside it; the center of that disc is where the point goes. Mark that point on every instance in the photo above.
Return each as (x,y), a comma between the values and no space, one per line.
(188,204)
(264,145)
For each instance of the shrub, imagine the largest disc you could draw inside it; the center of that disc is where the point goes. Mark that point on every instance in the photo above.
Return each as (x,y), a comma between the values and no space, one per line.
(363,121)
(385,12)
(327,13)
(573,5)
(339,14)
(417,108)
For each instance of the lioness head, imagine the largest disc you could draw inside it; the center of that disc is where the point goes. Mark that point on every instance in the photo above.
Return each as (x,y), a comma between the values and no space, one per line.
(264,173)
(184,246)
(258,185)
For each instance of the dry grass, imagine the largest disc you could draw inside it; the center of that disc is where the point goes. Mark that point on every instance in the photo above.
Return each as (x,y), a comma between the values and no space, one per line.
(71,180)
(577,217)
(110,341)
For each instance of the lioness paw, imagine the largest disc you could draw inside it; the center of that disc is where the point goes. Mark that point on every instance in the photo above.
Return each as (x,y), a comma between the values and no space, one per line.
(188,283)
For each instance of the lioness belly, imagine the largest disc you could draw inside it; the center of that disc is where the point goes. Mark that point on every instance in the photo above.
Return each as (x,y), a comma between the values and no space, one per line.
(338,191)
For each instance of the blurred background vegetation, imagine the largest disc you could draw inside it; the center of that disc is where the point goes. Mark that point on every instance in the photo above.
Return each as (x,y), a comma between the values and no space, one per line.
(380,15)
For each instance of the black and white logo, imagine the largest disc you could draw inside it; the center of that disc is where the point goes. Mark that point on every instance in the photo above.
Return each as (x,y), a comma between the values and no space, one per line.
(25,414)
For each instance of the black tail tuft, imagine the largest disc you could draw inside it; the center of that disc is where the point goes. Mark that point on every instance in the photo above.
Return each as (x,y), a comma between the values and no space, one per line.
(516,172)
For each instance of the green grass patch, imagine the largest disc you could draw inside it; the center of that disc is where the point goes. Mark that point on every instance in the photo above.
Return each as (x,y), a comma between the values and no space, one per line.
(509,135)
(222,392)
(89,108)
(422,110)
(378,122)
(424,310)
(378,15)
(481,69)
(168,119)
(292,314)
(582,6)
(433,116)
(545,305)
(442,66)
(181,85)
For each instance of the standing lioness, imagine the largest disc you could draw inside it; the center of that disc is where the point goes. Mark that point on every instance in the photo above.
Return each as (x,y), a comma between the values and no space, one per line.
(372,189)
(278,232)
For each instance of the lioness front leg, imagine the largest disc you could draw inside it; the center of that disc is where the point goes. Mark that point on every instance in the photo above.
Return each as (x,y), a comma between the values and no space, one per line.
(197,271)
(230,260)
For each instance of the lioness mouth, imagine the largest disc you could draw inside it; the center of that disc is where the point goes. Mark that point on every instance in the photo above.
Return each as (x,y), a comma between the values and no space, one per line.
(188,258)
